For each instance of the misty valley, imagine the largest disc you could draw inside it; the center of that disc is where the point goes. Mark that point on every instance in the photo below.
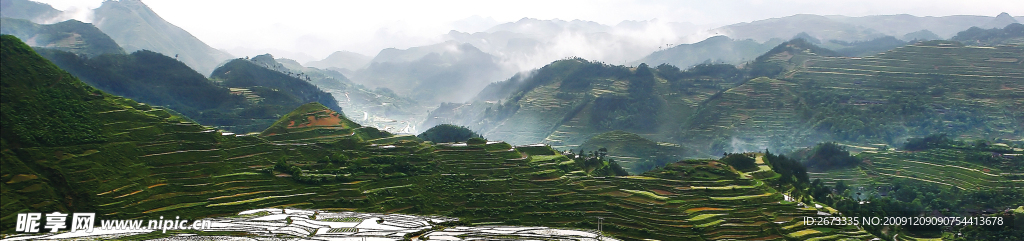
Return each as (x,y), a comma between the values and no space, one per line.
(800,127)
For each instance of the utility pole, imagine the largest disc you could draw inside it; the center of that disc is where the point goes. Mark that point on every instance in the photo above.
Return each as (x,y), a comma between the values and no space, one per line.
(600,231)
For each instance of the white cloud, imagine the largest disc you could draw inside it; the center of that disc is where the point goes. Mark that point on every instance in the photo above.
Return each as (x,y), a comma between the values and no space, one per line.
(318,28)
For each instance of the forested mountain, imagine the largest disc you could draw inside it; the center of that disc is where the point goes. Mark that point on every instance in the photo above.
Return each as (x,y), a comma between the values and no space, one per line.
(135,27)
(71,35)
(804,97)
(275,90)
(571,100)
(158,80)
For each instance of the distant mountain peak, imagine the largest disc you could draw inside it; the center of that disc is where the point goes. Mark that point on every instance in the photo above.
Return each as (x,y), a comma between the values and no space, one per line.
(134,26)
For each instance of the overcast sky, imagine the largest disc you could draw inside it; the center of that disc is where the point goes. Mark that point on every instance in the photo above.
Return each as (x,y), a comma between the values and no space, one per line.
(307,29)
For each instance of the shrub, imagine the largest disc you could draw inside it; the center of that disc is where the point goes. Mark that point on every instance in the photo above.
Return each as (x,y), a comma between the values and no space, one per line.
(448,133)
(476,141)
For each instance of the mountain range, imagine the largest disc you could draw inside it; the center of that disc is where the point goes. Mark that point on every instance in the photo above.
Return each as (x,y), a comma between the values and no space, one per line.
(804,95)
(75,159)
(678,142)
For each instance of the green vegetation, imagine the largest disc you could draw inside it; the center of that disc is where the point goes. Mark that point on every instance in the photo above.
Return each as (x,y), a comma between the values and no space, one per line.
(942,178)
(741,162)
(1011,34)
(448,133)
(826,156)
(278,89)
(806,95)
(159,80)
(71,35)
(634,152)
(569,101)
(153,163)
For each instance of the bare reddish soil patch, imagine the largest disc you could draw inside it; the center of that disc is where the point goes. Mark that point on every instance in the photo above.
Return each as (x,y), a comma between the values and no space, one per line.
(332,119)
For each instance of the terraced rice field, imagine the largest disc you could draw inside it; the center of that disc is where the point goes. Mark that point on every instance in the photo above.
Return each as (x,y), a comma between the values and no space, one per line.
(988,81)
(939,166)
(153,163)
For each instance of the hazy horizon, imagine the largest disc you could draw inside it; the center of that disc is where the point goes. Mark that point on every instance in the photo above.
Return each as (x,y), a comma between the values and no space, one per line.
(312,30)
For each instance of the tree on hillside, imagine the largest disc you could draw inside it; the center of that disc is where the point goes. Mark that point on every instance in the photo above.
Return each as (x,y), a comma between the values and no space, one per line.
(740,161)
(830,155)
(448,133)
(927,142)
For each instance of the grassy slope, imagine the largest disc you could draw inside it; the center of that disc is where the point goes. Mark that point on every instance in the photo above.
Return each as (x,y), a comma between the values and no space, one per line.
(146,163)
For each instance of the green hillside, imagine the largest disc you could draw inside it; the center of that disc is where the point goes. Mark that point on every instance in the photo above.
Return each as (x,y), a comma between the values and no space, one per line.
(72,36)
(75,148)
(977,178)
(761,113)
(272,88)
(793,96)
(571,100)
(158,80)
(915,90)
(634,152)
(919,89)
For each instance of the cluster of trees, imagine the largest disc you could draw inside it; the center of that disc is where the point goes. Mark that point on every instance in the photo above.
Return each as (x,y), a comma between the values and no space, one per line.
(927,142)
(598,162)
(740,161)
(826,156)
(841,116)
(791,173)
(42,106)
(908,198)
(444,133)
